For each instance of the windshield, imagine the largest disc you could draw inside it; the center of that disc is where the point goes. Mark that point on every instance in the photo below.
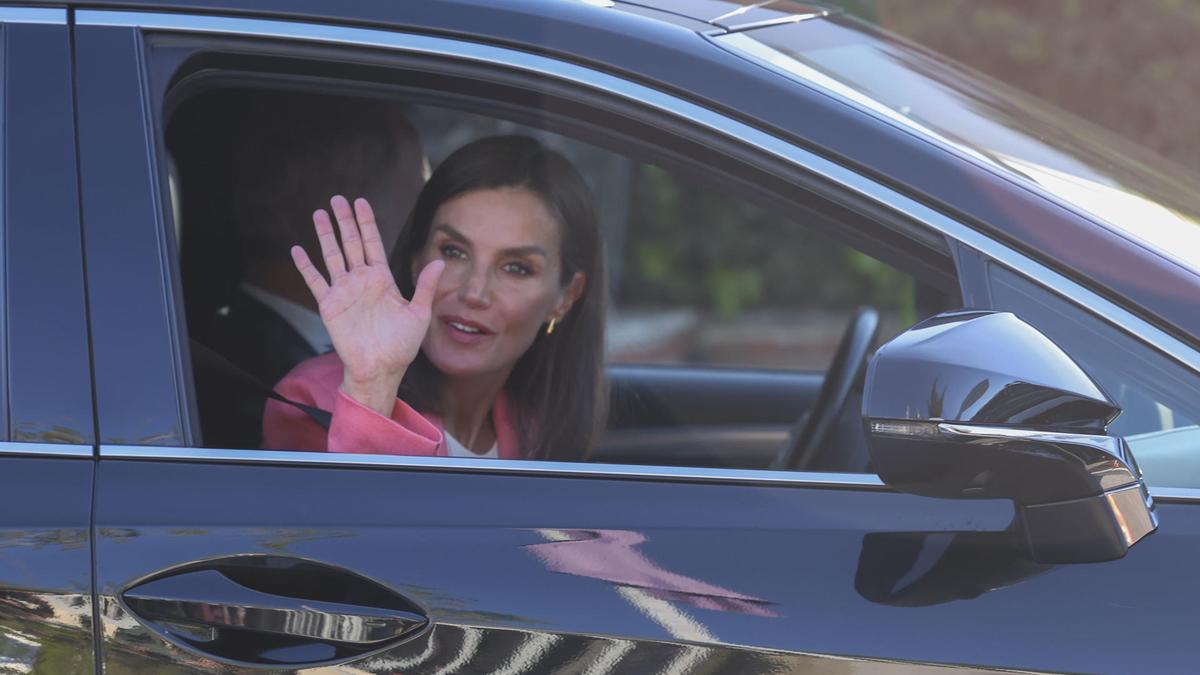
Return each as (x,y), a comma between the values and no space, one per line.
(1136,191)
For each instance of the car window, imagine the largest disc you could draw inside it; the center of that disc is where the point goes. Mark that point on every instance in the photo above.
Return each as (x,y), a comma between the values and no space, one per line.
(723,311)
(699,276)
(1159,398)
(706,278)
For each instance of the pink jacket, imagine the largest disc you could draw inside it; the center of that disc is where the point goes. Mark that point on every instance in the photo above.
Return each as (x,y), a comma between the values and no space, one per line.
(357,428)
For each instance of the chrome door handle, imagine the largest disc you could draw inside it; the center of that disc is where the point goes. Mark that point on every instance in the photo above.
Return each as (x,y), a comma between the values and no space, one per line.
(209,598)
(272,610)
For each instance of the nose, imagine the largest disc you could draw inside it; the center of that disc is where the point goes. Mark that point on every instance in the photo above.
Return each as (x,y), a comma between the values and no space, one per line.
(474,289)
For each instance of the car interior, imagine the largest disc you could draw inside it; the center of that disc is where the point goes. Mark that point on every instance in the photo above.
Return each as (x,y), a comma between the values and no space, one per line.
(755,365)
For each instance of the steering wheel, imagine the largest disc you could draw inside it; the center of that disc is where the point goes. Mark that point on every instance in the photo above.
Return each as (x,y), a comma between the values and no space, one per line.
(810,433)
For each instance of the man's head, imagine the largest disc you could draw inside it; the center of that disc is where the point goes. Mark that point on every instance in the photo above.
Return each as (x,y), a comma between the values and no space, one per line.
(292,151)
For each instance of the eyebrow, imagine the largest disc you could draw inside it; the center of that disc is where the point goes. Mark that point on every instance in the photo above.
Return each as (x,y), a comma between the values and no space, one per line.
(454,234)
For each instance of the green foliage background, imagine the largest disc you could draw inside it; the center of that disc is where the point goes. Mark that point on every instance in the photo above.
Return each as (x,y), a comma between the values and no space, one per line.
(693,246)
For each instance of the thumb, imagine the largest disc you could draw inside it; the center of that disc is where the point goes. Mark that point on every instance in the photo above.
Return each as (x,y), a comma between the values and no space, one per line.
(427,283)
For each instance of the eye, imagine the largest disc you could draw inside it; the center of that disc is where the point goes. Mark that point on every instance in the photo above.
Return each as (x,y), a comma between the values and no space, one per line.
(520,269)
(452,251)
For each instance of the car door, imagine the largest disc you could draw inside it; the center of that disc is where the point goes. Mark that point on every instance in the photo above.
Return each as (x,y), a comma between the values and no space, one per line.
(46,463)
(214,558)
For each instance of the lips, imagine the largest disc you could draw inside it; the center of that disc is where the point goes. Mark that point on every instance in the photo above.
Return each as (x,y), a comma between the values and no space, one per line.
(464,330)
(466,325)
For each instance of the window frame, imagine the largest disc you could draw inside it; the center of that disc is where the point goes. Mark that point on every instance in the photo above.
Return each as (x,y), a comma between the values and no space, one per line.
(824,175)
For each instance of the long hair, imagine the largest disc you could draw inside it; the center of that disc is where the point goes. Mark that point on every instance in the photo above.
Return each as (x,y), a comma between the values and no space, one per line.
(557,388)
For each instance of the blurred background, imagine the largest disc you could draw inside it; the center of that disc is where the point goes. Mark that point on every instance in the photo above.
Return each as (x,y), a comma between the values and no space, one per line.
(1131,67)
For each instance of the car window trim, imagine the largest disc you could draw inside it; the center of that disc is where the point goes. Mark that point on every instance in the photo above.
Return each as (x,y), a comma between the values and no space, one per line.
(1174,494)
(39,15)
(498,466)
(805,160)
(46,449)
(861,481)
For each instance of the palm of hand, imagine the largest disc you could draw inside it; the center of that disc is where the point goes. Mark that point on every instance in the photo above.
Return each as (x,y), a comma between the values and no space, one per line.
(375,330)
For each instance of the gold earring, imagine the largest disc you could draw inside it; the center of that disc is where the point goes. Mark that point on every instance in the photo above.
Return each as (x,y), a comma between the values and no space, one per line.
(550,327)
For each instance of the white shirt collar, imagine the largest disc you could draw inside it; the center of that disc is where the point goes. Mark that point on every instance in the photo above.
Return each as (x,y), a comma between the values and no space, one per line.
(306,322)
(456,449)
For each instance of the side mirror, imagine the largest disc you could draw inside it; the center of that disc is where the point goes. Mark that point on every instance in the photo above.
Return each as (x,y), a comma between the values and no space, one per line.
(980,405)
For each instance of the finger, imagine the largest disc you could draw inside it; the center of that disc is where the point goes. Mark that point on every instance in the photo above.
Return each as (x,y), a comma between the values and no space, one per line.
(371,239)
(427,284)
(312,276)
(329,246)
(351,239)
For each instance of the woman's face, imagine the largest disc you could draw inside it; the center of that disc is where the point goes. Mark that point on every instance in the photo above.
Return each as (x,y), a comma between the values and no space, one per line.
(501,283)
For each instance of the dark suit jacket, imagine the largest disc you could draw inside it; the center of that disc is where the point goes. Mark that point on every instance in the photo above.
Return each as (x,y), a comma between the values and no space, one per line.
(261,343)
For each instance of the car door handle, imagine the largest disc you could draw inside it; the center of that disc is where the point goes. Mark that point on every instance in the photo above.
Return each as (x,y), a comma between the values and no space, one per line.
(209,598)
(215,606)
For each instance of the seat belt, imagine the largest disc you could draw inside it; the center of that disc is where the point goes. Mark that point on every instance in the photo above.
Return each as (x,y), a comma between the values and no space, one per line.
(211,358)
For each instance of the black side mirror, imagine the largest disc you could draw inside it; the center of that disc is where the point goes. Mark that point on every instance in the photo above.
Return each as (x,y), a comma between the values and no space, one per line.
(980,405)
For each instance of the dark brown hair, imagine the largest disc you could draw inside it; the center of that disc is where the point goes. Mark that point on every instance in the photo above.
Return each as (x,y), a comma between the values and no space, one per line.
(295,149)
(557,387)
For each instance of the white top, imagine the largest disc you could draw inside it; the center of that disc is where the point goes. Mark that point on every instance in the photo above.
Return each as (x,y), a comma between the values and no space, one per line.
(306,322)
(456,449)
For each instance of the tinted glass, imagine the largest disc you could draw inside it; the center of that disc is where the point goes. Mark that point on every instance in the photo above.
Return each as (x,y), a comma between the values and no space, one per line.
(697,277)
(709,278)
(702,277)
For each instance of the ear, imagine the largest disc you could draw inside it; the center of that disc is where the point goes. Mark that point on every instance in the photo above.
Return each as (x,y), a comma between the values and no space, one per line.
(570,294)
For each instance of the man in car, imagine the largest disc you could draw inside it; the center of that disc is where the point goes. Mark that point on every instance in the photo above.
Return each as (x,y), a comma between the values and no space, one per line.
(287,153)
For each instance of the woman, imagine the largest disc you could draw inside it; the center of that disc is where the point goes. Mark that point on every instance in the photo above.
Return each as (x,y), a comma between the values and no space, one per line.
(498,349)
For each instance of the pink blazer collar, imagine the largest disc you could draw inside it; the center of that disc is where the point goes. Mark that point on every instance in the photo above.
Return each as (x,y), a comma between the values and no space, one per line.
(507,443)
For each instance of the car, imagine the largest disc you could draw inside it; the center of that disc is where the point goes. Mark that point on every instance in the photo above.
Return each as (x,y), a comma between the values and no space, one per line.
(782,188)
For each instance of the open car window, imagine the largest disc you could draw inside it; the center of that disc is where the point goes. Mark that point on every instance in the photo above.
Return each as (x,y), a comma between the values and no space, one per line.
(725,304)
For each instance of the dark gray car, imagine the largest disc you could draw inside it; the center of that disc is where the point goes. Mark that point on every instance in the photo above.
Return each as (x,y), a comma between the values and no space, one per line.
(964,496)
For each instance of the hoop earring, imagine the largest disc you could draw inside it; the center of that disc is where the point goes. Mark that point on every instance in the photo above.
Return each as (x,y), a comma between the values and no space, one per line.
(550,327)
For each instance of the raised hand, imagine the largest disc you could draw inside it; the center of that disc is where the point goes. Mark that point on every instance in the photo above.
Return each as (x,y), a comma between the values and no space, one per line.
(375,330)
